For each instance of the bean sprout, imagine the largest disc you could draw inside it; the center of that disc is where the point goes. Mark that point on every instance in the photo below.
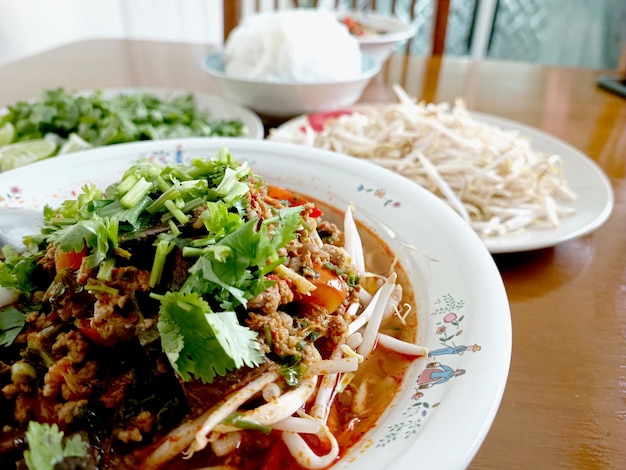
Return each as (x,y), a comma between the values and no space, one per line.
(353,244)
(400,346)
(299,425)
(490,176)
(285,405)
(270,392)
(326,391)
(226,443)
(371,329)
(303,454)
(394,301)
(354,340)
(333,366)
(213,417)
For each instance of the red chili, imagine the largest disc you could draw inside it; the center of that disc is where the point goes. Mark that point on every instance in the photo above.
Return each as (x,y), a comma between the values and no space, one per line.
(317,121)
(93,335)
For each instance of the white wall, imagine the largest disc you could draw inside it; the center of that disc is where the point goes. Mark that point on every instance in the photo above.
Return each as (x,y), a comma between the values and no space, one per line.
(31,26)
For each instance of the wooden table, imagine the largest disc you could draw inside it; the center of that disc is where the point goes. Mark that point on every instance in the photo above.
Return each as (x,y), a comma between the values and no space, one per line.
(565,402)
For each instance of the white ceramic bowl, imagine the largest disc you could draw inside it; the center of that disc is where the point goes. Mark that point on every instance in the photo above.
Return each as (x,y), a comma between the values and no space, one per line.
(440,416)
(391,31)
(289,99)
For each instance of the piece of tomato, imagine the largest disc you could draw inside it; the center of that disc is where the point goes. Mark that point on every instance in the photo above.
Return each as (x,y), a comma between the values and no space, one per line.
(291,199)
(68,259)
(330,290)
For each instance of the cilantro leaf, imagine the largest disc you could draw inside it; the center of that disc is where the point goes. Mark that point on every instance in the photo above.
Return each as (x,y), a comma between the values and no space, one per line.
(218,221)
(76,236)
(238,341)
(96,234)
(18,270)
(11,323)
(231,188)
(46,446)
(237,274)
(225,280)
(78,208)
(201,343)
(115,210)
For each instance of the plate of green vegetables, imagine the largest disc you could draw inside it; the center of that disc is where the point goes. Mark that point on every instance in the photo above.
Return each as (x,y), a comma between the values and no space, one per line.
(60,121)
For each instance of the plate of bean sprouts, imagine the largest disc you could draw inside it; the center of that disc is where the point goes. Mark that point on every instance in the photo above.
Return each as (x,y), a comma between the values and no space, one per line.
(518,187)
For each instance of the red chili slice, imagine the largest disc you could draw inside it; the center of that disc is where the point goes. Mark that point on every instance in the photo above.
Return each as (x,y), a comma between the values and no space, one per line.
(318,120)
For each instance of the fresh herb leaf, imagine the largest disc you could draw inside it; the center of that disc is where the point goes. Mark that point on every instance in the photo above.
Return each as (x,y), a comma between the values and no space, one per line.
(94,233)
(237,275)
(17,271)
(46,446)
(224,280)
(292,370)
(238,341)
(202,343)
(11,323)
(218,221)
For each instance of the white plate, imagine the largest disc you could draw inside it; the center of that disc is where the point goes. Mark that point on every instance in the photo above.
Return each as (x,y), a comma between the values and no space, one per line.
(593,205)
(218,107)
(441,416)
(594,194)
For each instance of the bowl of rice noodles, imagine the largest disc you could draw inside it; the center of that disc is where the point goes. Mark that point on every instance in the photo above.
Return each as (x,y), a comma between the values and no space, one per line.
(233,304)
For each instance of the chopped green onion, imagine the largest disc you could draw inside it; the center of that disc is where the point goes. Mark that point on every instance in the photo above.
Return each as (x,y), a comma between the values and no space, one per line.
(136,193)
(236,420)
(173,228)
(126,184)
(96,286)
(159,203)
(176,212)
(163,248)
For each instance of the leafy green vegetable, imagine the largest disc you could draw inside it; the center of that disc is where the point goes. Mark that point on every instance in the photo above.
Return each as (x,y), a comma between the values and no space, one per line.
(17,270)
(46,446)
(236,419)
(202,343)
(11,323)
(292,369)
(235,274)
(94,233)
(99,121)
(163,248)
